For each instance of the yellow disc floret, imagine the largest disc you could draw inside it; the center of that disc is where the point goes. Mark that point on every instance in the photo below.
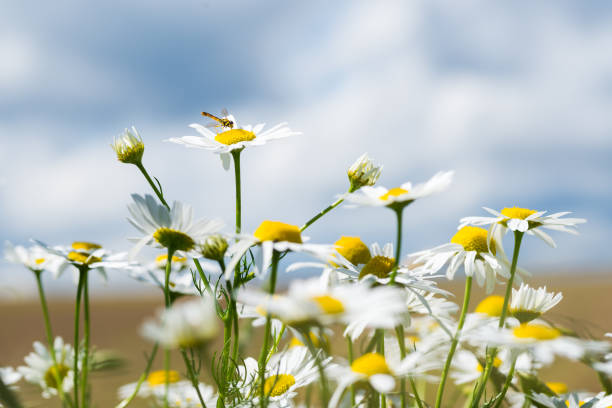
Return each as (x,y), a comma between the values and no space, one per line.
(328,304)
(233,136)
(353,249)
(278,231)
(557,387)
(536,332)
(85,246)
(38,261)
(56,373)
(159,377)
(160,260)
(496,363)
(278,384)
(473,239)
(516,212)
(379,266)
(394,192)
(82,258)
(171,238)
(491,305)
(370,364)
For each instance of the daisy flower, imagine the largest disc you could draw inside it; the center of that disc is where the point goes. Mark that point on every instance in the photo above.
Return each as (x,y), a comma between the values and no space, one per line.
(35,258)
(232,138)
(528,303)
(184,325)
(310,302)
(363,173)
(155,380)
(41,370)
(173,229)
(129,147)
(181,279)
(573,401)
(274,236)
(525,220)
(183,395)
(471,247)
(399,197)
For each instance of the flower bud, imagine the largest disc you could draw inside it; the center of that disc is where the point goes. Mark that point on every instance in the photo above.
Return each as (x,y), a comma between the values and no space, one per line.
(363,173)
(129,147)
(214,247)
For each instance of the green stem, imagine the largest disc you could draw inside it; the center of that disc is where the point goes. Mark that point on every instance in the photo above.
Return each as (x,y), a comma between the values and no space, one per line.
(158,193)
(451,352)
(77,320)
(401,341)
(349,343)
(322,213)
(142,378)
(398,243)
(482,382)
(193,378)
(168,302)
(502,394)
(85,365)
(49,334)
(203,277)
(317,356)
(605,382)
(236,156)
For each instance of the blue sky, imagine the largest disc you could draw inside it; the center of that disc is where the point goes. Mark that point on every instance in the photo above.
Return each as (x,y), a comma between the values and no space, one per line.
(514,96)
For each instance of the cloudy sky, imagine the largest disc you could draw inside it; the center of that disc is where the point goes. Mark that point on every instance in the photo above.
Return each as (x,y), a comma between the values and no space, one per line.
(514,96)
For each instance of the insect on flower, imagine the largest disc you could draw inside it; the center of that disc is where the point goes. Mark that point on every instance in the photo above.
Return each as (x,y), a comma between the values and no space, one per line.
(222,122)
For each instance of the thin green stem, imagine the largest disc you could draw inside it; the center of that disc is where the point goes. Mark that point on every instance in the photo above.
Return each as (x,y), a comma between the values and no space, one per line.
(317,356)
(455,340)
(322,213)
(401,341)
(87,328)
(143,377)
(349,344)
(168,302)
(203,277)
(482,382)
(236,156)
(193,378)
(158,193)
(398,243)
(502,394)
(77,321)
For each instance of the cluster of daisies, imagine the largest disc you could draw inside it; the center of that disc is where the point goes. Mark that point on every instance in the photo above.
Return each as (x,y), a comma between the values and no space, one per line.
(372,328)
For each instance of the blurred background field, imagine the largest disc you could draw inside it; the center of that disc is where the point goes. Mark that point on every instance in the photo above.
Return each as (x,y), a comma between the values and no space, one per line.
(585,308)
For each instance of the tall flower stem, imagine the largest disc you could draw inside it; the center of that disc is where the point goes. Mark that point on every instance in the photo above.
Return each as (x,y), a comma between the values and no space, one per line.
(142,378)
(49,334)
(317,356)
(264,349)
(401,341)
(349,343)
(455,340)
(482,382)
(168,302)
(87,335)
(77,321)
(398,243)
(236,156)
(157,191)
(502,394)
(193,377)
(322,213)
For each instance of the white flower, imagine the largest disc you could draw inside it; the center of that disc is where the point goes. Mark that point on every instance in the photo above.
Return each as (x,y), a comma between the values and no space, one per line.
(310,301)
(274,236)
(573,401)
(232,138)
(41,370)
(404,195)
(528,303)
(129,147)
(525,220)
(183,395)
(363,173)
(480,256)
(188,324)
(9,376)
(155,379)
(174,229)
(181,279)
(286,372)
(35,258)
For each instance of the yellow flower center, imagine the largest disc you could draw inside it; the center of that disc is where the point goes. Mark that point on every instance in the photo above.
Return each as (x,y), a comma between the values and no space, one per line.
(536,331)
(491,305)
(160,260)
(496,363)
(473,239)
(353,249)
(85,246)
(278,231)
(38,261)
(328,304)
(278,384)
(516,212)
(557,387)
(394,192)
(379,266)
(55,374)
(370,364)
(296,342)
(82,258)
(159,377)
(233,136)
(580,403)
(177,240)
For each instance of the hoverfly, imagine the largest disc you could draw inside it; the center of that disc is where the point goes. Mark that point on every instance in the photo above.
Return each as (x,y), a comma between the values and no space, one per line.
(221,122)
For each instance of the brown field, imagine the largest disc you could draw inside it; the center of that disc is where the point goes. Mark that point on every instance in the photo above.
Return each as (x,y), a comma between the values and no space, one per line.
(586,308)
